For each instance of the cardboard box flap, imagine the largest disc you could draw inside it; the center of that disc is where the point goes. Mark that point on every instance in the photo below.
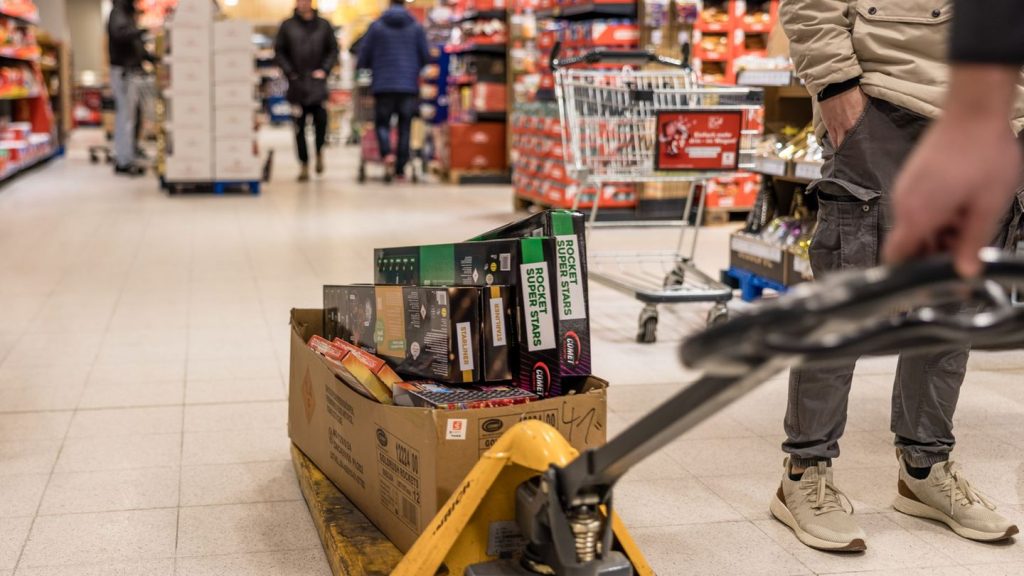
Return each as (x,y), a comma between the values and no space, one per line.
(306,322)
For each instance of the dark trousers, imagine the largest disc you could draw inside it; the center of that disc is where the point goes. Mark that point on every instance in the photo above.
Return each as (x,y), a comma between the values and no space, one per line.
(387,105)
(853,219)
(319,115)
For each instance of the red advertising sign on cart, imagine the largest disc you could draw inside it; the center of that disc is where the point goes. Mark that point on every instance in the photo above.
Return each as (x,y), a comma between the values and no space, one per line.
(698,140)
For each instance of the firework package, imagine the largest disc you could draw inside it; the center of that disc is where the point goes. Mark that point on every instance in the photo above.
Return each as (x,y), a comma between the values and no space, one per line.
(426,394)
(567,233)
(436,333)
(364,372)
(547,342)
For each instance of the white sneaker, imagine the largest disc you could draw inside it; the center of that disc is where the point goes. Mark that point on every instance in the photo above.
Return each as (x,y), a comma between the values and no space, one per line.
(946,496)
(818,513)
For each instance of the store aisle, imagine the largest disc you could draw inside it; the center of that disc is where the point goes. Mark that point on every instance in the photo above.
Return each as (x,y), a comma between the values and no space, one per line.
(143,367)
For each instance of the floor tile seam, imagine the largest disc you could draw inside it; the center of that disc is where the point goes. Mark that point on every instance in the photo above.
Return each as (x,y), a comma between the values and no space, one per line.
(259,298)
(189,292)
(251,552)
(107,511)
(247,503)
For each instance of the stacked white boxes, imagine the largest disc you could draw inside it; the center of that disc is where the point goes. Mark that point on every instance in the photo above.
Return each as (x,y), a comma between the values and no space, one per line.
(234,102)
(190,109)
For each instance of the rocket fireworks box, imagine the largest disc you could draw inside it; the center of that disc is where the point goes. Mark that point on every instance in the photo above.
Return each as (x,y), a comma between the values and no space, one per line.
(568,231)
(528,265)
(425,332)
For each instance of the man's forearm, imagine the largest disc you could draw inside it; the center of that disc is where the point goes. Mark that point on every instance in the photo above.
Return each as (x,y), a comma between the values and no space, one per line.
(981,92)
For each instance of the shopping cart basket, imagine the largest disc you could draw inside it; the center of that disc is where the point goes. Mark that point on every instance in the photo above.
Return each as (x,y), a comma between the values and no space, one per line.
(653,125)
(369,147)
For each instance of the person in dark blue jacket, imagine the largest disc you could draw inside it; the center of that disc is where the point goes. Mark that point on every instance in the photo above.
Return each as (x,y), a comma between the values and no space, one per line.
(394,49)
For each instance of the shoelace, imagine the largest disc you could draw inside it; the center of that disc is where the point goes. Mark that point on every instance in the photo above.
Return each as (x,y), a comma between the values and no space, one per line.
(827,498)
(960,490)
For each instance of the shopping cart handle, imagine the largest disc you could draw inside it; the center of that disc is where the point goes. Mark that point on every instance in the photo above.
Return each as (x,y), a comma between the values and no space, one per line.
(599,55)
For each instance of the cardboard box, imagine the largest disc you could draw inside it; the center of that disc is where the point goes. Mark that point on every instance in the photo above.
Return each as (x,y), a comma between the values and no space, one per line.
(234,67)
(191,143)
(232,36)
(400,465)
(190,113)
(188,169)
(489,97)
(568,229)
(477,146)
(191,45)
(193,14)
(424,332)
(237,122)
(234,95)
(191,78)
(238,169)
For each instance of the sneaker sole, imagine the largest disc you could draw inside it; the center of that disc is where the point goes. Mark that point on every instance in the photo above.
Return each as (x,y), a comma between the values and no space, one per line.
(919,510)
(782,514)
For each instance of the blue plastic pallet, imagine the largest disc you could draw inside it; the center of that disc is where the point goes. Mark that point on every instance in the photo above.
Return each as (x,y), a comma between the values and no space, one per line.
(217,187)
(221,187)
(753,286)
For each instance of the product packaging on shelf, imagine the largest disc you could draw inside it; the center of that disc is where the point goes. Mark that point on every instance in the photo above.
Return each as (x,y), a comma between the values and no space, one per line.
(571,296)
(427,332)
(400,465)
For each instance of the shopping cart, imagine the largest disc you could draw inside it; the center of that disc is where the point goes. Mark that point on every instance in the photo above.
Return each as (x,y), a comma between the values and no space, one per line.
(655,125)
(369,153)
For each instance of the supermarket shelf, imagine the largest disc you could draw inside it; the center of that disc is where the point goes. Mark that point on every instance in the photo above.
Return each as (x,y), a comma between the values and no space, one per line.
(477,49)
(712,27)
(709,57)
(756,28)
(470,15)
(593,10)
(23,18)
(25,97)
(9,173)
(12,54)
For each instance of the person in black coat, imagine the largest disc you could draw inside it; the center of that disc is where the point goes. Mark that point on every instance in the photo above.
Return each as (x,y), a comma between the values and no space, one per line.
(126,53)
(306,50)
(395,50)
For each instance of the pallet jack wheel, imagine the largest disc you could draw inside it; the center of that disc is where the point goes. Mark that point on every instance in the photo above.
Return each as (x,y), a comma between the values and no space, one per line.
(648,325)
(718,314)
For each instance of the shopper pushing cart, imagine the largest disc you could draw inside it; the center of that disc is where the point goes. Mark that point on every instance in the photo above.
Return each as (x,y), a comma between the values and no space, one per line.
(394,49)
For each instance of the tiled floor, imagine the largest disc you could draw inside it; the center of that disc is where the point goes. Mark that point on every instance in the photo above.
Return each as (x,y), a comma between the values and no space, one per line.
(143,357)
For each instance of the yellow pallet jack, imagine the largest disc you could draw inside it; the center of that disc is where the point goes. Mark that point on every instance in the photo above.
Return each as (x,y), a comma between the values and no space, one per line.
(560,503)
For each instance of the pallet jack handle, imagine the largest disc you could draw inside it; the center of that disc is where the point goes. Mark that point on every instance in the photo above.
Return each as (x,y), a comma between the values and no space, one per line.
(921,306)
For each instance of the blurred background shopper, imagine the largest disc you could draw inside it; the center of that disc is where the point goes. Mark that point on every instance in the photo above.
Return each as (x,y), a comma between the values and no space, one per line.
(395,50)
(126,53)
(307,50)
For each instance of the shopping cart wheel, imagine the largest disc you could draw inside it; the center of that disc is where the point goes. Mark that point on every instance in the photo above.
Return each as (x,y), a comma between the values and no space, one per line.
(648,329)
(362,173)
(719,313)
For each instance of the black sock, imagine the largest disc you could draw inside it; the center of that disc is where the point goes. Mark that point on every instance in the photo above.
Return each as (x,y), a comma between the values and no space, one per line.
(918,473)
(797,477)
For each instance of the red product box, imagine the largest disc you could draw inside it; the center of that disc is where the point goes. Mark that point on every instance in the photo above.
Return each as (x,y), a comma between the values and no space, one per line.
(489,97)
(477,146)
(602,34)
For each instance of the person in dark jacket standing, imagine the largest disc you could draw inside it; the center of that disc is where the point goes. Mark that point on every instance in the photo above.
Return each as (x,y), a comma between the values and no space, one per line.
(127,54)
(395,50)
(306,51)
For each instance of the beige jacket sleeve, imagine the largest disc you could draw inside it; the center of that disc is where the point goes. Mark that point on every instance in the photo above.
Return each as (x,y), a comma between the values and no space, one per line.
(820,44)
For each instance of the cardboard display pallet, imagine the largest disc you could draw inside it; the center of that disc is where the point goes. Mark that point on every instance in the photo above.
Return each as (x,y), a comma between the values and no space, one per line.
(353,545)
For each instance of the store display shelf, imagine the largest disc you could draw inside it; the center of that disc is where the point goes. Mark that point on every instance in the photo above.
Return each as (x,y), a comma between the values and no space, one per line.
(477,48)
(12,171)
(32,55)
(20,96)
(712,27)
(471,15)
(592,10)
(27,18)
(759,28)
(711,57)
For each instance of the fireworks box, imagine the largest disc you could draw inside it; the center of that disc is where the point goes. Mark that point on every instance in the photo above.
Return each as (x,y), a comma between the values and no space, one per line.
(428,394)
(362,371)
(424,332)
(526,264)
(400,464)
(568,231)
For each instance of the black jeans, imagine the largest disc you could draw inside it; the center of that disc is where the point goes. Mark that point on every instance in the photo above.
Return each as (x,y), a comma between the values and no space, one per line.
(319,115)
(387,105)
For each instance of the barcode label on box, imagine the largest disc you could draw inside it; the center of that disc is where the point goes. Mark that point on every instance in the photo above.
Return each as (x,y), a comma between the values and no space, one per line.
(410,512)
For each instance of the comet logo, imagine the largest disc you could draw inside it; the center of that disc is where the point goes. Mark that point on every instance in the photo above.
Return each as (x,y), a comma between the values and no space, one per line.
(571,349)
(541,379)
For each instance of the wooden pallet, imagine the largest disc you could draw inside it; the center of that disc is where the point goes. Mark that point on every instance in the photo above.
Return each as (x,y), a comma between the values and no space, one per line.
(354,546)
(219,187)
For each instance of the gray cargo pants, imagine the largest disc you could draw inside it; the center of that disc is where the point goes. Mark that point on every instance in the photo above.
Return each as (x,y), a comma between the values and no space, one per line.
(853,217)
